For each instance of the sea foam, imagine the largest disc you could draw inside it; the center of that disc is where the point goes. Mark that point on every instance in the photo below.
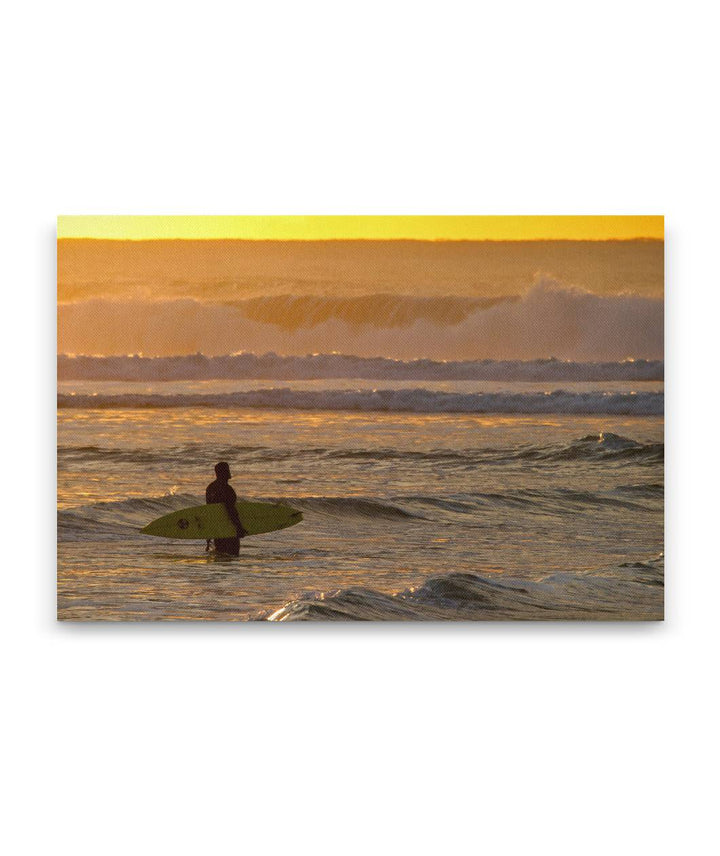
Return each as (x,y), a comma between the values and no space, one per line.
(271,366)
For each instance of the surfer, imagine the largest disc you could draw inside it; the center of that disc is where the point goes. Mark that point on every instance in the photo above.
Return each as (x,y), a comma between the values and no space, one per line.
(220,491)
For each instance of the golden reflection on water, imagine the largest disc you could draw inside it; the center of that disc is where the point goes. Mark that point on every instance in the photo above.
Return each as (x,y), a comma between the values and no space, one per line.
(139,421)
(464,517)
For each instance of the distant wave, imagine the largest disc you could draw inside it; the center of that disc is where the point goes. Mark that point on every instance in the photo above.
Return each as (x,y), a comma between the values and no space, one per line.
(326,366)
(391,400)
(293,312)
(628,591)
(547,320)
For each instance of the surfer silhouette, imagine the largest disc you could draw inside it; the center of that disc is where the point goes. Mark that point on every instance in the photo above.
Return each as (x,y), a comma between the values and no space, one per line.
(220,491)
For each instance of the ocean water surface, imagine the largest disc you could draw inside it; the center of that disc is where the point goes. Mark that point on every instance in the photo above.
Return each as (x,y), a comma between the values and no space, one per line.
(472,429)
(422,499)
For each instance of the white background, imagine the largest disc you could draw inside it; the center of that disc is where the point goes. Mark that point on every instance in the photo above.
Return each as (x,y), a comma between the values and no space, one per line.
(505,739)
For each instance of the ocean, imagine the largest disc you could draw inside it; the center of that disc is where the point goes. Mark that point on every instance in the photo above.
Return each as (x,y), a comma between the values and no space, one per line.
(468,448)
(419,502)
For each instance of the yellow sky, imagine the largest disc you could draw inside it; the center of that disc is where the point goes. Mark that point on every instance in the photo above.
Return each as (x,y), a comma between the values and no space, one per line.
(382,227)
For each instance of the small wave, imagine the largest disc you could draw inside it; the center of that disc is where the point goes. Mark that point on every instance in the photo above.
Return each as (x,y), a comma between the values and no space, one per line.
(82,454)
(101,521)
(554,501)
(602,447)
(596,447)
(653,490)
(123,518)
(193,454)
(391,400)
(353,506)
(118,519)
(248,366)
(629,591)
(188,454)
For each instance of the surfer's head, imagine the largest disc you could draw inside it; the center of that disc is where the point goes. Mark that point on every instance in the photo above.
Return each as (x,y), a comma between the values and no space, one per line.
(222,471)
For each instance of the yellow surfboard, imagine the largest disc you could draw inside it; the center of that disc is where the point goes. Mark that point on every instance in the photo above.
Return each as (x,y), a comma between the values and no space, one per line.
(212,521)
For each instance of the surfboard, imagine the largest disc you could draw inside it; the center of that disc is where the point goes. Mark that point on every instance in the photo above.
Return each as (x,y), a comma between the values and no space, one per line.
(212,521)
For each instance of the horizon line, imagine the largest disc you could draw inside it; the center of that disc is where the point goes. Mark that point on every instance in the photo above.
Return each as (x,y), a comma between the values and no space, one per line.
(362,240)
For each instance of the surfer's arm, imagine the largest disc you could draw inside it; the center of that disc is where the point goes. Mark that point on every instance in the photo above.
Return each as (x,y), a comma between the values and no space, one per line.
(233,515)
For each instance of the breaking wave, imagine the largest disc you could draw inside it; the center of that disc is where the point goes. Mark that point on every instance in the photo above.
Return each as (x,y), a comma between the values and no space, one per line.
(390,400)
(327,366)
(628,591)
(293,312)
(546,321)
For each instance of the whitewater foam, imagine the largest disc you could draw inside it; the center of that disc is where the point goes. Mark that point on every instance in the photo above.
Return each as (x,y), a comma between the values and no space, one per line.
(271,366)
(473,596)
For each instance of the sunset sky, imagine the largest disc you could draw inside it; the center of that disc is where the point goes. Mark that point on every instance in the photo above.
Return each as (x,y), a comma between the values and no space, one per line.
(373,227)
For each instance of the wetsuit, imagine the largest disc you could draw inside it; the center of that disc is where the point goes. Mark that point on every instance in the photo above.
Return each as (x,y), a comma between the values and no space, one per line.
(220,491)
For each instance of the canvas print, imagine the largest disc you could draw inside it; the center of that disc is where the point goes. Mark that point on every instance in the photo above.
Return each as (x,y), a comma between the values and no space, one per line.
(360,418)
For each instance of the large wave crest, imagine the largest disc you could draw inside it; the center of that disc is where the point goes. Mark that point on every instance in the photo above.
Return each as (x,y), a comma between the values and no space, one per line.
(548,321)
